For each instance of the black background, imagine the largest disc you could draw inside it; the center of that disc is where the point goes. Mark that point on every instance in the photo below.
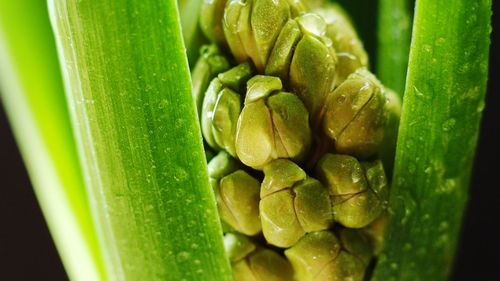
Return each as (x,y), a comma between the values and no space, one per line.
(27,251)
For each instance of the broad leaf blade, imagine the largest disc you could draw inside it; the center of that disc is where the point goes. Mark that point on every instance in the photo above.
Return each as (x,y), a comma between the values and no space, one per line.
(442,108)
(33,96)
(129,89)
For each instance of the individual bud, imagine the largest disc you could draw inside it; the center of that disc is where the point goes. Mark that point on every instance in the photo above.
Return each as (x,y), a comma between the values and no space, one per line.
(375,232)
(356,243)
(212,12)
(358,191)
(210,63)
(313,64)
(291,204)
(252,26)
(220,166)
(323,256)
(313,254)
(262,265)
(238,202)
(354,115)
(238,246)
(387,149)
(349,48)
(222,106)
(281,56)
(252,263)
(298,7)
(236,78)
(272,124)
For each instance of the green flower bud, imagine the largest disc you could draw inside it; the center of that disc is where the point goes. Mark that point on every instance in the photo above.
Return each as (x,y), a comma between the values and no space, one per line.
(356,243)
(263,265)
(291,204)
(298,7)
(280,58)
(375,232)
(313,254)
(358,190)
(238,202)
(238,246)
(220,166)
(236,78)
(252,263)
(355,115)
(221,108)
(252,26)
(210,63)
(322,256)
(350,51)
(212,12)
(312,68)
(272,124)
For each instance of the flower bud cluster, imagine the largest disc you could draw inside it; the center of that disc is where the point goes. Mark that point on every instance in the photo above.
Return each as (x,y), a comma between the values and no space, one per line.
(299,125)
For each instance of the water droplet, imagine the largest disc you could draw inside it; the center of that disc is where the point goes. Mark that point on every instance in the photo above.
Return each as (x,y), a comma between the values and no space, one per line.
(440,41)
(183,256)
(428,170)
(480,106)
(449,124)
(411,168)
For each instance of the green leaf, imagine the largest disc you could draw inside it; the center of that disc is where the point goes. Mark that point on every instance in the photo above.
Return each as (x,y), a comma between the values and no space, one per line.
(35,117)
(442,108)
(33,96)
(393,34)
(129,91)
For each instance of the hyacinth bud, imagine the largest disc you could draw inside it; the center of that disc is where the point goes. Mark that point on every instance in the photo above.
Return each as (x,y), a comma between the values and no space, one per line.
(238,246)
(323,256)
(349,48)
(304,57)
(354,115)
(212,12)
(273,124)
(252,26)
(210,63)
(358,191)
(237,198)
(253,263)
(291,204)
(222,106)
(375,232)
